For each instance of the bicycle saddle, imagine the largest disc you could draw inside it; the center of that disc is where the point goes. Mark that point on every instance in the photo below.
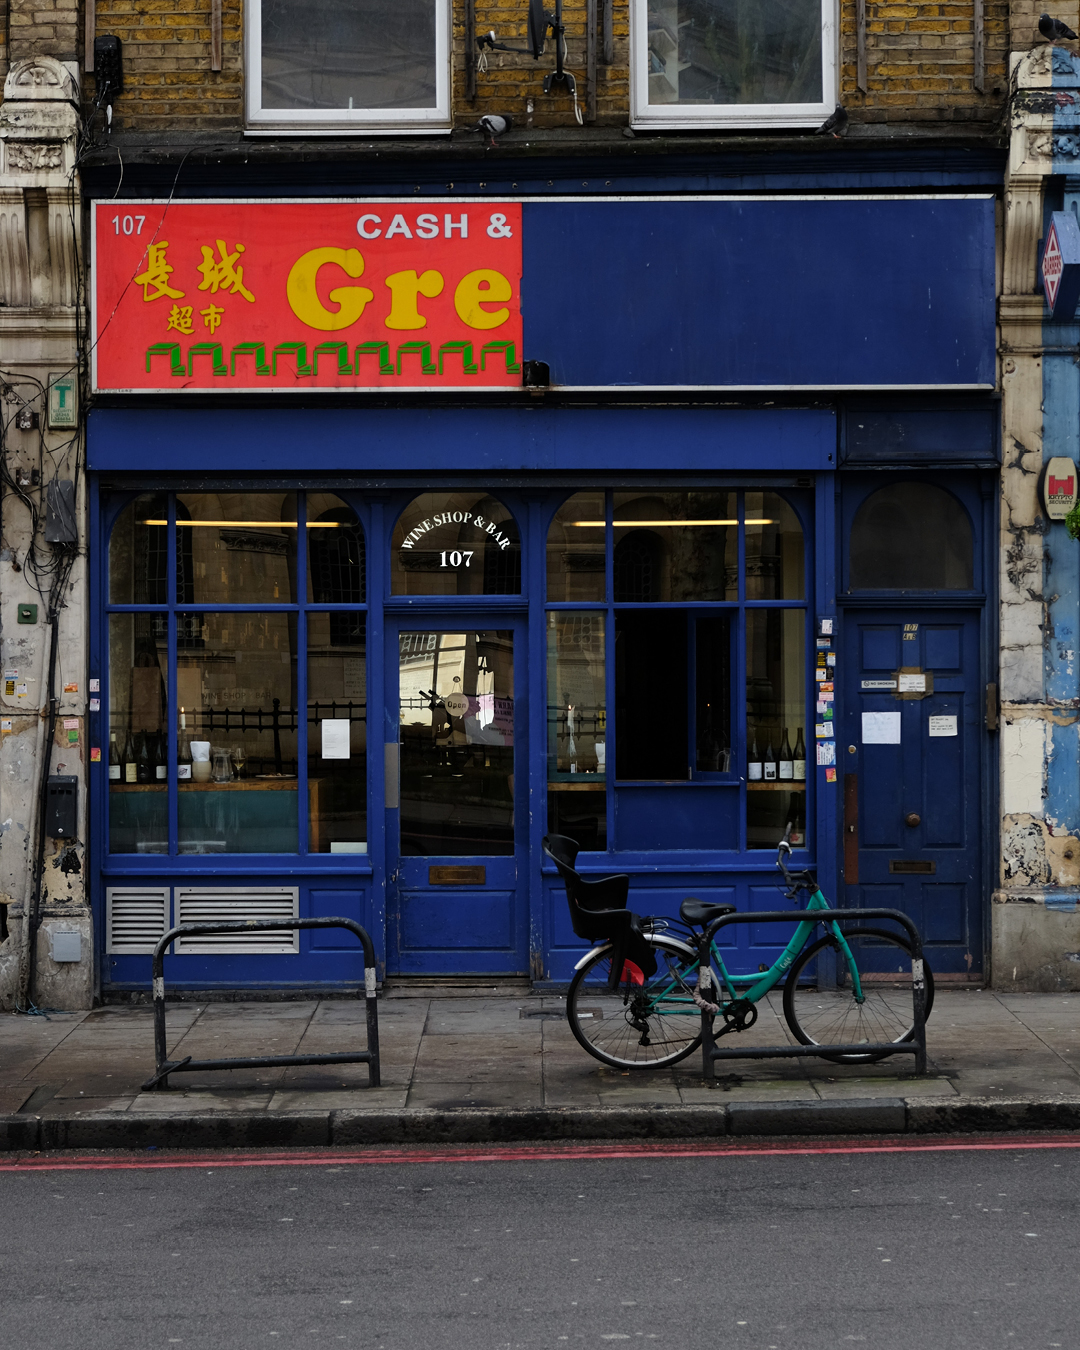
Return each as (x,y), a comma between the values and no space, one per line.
(702,912)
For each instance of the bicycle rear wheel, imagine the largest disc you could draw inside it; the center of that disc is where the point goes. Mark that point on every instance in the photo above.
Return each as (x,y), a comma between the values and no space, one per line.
(835,1016)
(642,1025)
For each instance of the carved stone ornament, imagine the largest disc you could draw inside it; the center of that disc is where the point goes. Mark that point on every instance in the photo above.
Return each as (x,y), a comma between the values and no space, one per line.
(38,78)
(26,157)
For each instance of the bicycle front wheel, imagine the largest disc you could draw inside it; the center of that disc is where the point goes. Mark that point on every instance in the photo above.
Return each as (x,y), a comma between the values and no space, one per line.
(639,1026)
(837,1016)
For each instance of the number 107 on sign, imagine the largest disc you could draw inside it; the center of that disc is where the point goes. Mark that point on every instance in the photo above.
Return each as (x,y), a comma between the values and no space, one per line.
(456,558)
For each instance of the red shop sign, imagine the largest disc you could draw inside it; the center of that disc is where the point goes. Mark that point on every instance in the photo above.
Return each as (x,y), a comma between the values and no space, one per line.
(306,295)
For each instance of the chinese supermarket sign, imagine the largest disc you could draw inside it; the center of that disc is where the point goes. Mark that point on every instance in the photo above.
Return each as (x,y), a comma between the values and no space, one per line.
(306,295)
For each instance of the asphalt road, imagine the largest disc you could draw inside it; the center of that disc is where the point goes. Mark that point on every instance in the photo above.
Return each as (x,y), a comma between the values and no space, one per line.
(915,1249)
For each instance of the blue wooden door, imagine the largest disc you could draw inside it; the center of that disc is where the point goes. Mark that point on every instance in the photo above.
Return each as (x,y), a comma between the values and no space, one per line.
(910,749)
(457,893)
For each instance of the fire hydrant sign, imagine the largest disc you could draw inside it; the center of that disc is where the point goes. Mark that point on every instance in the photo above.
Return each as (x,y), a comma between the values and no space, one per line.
(306,295)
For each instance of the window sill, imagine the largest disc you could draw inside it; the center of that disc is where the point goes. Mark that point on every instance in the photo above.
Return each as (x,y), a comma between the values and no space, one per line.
(347,129)
(758,120)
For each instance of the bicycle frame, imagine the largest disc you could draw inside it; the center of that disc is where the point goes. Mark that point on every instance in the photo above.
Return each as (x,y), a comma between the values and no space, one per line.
(761,982)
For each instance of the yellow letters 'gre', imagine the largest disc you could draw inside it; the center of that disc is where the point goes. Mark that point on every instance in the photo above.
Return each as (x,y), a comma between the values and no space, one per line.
(480,288)
(304,298)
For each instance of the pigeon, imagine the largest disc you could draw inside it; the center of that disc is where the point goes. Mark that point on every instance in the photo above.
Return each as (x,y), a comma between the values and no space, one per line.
(492,125)
(836,123)
(1053,30)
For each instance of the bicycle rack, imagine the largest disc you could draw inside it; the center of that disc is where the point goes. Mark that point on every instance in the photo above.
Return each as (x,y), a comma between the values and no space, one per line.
(165,1066)
(916,1046)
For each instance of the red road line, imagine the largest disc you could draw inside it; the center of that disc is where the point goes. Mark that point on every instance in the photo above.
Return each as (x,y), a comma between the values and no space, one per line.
(530,1153)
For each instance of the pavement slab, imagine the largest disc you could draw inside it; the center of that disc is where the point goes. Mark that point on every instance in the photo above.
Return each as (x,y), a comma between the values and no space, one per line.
(487,1065)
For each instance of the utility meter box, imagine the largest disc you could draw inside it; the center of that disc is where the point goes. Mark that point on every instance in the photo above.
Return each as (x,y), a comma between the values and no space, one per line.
(61,810)
(65,945)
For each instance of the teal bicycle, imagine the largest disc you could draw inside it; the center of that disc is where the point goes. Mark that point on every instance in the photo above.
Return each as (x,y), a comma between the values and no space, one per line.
(636,999)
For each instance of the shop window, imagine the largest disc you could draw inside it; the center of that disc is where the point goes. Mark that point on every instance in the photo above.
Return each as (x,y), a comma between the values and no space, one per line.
(138,736)
(455,543)
(776,722)
(911,537)
(575,550)
(708,596)
(577,727)
(250,772)
(674,546)
(724,63)
(243,548)
(337,733)
(338,64)
(774,549)
(337,567)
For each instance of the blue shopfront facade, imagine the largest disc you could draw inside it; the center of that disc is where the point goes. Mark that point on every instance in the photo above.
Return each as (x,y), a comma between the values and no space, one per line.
(360,653)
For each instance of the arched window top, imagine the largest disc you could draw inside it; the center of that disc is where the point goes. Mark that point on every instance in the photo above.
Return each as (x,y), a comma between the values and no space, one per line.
(455,543)
(911,537)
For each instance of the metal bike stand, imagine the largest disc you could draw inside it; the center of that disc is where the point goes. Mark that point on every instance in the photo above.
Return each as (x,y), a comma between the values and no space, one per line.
(916,1046)
(165,1066)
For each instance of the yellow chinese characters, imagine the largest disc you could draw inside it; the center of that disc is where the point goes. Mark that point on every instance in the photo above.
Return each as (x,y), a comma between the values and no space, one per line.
(180,319)
(224,272)
(157,274)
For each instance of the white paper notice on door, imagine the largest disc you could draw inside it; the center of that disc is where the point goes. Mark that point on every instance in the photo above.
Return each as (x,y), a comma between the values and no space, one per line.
(881,728)
(335,738)
(912,683)
(942,726)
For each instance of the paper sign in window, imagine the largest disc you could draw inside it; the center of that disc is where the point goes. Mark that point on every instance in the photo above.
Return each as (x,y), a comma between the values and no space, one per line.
(826,752)
(911,684)
(881,728)
(335,738)
(942,726)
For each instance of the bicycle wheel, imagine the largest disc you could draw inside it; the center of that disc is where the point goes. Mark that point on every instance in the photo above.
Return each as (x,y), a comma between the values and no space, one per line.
(835,1016)
(640,1026)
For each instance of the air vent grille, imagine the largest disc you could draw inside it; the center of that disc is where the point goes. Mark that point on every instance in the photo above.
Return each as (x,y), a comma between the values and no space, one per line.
(205,905)
(136,917)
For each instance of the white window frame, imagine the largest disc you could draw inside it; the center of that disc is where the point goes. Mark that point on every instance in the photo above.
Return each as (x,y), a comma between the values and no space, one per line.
(337,121)
(679,116)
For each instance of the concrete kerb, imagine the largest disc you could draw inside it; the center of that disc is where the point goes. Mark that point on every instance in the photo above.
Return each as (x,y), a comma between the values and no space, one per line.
(352,1129)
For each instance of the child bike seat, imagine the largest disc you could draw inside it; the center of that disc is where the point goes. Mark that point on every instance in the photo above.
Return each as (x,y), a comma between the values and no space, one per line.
(701,912)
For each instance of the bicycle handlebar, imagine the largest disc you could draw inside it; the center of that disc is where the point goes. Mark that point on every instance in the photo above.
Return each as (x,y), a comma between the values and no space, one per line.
(795,883)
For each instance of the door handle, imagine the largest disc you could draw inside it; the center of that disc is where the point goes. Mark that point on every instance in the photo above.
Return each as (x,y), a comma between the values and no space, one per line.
(912,819)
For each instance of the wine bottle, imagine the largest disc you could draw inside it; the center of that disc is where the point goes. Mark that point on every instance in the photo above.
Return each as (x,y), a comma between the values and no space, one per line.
(114,759)
(130,763)
(785,766)
(144,768)
(161,766)
(768,765)
(183,749)
(753,763)
(798,764)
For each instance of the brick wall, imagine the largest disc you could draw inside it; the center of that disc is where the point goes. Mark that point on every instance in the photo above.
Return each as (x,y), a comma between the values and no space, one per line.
(42,28)
(511,80)
(168,83)
(920,62)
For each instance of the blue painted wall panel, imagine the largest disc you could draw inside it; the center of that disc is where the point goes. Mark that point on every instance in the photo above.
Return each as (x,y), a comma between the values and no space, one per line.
(830,292)
(382,440)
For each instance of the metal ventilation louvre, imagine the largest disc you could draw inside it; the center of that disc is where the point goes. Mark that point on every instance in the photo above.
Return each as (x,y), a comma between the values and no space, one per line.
(206,905)
(136,917)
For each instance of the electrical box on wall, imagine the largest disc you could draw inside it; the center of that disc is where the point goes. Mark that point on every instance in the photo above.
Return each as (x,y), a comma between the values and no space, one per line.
(61,812)
(65,944)
(27,614)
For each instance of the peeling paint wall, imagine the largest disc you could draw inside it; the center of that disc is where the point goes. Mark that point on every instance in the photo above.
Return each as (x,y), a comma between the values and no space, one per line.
(39,214)
(1034,922)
